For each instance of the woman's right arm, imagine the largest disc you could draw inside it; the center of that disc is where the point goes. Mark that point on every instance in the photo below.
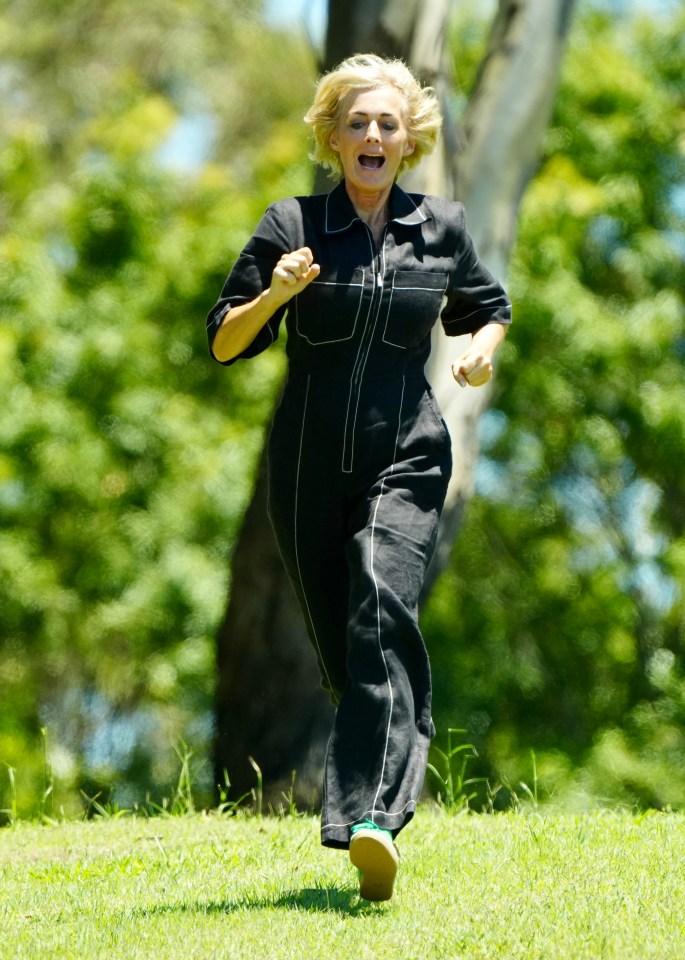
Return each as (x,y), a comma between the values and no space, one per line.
(241,324)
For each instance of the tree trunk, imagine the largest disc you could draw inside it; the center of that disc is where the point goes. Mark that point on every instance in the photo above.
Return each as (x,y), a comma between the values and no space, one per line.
(268,703)
(506,118)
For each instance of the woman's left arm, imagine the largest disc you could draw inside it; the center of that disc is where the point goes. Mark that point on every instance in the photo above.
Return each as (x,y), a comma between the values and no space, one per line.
(474,366)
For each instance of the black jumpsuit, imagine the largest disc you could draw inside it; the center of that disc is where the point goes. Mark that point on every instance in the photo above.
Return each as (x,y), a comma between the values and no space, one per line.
(359,462)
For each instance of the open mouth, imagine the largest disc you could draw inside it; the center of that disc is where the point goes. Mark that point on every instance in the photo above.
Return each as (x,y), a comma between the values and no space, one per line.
(371,161)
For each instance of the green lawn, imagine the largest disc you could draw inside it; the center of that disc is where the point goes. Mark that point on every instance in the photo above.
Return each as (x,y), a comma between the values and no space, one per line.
(523,885)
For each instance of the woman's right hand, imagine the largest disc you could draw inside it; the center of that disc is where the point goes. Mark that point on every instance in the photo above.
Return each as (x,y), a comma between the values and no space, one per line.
(293,272)
(242,323)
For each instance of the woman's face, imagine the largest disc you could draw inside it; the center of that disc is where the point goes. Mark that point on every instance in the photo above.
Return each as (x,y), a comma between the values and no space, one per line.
(371,138)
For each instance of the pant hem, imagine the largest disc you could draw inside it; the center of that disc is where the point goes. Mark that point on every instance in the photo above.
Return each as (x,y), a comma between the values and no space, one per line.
(338,837)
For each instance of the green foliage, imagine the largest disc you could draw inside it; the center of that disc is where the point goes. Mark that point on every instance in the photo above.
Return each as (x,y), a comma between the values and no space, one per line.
(450,782)
(126,454)
(138,146)
(563,604)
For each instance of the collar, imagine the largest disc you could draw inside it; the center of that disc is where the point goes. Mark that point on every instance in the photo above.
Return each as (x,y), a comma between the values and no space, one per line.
(340,213)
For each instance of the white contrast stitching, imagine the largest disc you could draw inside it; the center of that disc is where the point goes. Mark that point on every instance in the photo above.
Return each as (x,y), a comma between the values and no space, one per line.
(371,813)
(378,599)
(472,314)
(381,274)
(340,229)
(399,426)
(297,552)
(380,645)
(327,283)
(391,343)
(350,442)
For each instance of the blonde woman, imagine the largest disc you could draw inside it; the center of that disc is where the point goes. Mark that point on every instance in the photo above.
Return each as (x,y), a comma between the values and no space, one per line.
(359,455)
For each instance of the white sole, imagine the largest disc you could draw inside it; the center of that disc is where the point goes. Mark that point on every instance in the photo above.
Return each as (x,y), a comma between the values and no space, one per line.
(375,856)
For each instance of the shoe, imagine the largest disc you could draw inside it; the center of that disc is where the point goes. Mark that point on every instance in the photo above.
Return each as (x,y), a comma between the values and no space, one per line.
(374,855)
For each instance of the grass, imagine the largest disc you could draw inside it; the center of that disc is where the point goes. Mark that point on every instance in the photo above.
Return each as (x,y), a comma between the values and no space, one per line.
(514,885)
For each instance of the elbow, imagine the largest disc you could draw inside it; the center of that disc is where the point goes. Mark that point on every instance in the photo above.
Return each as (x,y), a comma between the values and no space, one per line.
(220,345)
(221,355)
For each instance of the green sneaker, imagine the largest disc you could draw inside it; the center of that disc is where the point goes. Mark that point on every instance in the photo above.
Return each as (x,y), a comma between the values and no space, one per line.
(374,855)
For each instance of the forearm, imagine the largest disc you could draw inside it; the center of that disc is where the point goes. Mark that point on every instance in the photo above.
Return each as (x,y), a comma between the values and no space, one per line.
(241,325)
(293,272)
(488,338)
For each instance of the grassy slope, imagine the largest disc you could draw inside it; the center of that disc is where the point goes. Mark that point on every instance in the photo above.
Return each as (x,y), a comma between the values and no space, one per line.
(505,886)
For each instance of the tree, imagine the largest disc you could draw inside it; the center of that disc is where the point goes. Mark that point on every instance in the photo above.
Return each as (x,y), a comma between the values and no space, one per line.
(563,599)
(267,702)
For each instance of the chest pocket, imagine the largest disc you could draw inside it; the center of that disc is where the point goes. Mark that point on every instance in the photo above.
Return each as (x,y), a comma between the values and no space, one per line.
(413,306)
(328,310)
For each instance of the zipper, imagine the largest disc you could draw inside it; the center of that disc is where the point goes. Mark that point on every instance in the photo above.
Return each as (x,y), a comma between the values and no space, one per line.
(364,348)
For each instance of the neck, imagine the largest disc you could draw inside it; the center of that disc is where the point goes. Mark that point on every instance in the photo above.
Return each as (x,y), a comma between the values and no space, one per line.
(372,208)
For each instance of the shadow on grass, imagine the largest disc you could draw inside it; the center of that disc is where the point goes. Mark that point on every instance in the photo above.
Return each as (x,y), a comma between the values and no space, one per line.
(309,900)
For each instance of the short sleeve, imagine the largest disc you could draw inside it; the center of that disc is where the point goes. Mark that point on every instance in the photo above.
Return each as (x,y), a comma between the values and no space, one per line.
(474,297)
(250,276)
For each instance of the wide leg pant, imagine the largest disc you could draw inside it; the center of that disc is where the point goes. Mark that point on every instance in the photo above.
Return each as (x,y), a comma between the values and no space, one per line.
(355,507)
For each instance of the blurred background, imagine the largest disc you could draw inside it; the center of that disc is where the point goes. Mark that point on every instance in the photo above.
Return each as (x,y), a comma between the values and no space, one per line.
(139,145)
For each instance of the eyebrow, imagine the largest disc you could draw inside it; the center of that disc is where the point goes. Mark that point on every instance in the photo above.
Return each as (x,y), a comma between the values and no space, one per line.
(362,113)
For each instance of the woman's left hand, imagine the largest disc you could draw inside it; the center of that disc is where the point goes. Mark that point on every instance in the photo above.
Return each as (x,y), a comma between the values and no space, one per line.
(474,367)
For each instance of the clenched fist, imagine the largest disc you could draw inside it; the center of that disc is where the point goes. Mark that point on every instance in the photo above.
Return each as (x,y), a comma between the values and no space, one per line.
(293,272)
(474,367)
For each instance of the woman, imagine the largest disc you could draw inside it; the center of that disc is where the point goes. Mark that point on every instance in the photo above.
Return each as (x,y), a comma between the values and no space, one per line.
(359,455)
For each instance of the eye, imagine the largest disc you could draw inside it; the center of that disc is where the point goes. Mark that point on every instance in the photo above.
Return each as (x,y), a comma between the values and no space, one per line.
(357,124)
(389,126)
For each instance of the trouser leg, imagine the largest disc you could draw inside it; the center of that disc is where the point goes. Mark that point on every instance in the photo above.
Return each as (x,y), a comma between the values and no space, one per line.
(307,517)
(378,750)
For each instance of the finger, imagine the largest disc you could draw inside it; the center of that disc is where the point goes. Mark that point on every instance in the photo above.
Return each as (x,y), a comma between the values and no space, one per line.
(310,275)
(461,368)
(283,273)
(291,267)
(304,257)
(294,262)
(474,363)
(469,362)
(476,377)
(459,376)
(295,273)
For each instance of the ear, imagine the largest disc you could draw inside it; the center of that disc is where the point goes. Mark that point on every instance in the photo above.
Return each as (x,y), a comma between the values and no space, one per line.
(409,147)
(333,142)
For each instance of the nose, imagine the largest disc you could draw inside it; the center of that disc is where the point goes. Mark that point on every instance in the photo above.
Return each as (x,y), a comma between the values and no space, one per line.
(373,134)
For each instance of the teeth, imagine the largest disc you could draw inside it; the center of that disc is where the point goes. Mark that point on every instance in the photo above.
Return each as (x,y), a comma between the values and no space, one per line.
(371,160)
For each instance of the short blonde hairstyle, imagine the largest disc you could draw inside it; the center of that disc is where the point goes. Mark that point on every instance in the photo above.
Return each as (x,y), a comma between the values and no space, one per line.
(367,71)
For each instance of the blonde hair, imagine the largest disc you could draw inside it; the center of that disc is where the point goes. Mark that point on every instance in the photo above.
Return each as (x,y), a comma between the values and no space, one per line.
(367,71)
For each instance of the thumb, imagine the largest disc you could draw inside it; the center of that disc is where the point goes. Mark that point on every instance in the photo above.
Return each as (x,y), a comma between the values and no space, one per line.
(311,274)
